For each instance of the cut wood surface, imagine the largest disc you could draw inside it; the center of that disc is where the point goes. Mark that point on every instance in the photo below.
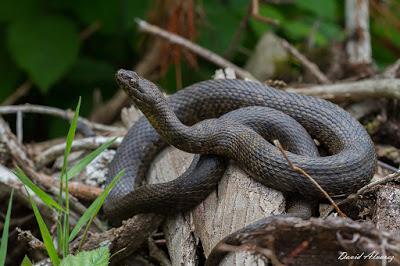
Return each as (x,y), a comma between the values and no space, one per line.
(237,202)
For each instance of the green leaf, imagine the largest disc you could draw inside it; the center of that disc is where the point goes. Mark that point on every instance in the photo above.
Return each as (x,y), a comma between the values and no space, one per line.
(94,208)
(324,9)
(38,191)
(77,168)
(4,237)
(96,257)
(11,10)
(26,261)
(44,231)
(45,47)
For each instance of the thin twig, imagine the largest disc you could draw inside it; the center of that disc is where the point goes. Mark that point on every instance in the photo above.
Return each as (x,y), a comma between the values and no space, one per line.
(65,114)
(312,67)
(389,178)
(20,131)
(91,143)
(255,12)
(206,54)
(304,173)
(18,93)
(352,91)
(391,71)
(87,32)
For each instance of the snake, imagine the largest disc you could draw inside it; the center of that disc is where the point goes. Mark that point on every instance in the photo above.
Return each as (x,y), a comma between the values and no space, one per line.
(201,119)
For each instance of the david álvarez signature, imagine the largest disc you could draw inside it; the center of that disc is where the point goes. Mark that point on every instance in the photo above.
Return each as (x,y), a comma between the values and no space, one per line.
(343,255)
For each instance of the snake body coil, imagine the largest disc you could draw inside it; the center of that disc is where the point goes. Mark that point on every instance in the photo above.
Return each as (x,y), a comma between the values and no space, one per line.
(349,166)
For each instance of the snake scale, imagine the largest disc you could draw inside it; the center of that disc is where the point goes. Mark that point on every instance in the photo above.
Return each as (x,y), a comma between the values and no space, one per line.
(189,121)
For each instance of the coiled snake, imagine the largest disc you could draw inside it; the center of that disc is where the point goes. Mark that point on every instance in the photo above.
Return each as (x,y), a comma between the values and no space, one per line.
(187,120)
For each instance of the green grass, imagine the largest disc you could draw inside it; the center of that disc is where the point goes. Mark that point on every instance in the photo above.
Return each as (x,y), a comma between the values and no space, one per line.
(57,253)
(4,237)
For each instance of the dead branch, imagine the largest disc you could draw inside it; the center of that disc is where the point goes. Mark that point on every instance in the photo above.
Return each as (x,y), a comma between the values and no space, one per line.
(352,91)
(64,114)
(206,54)
(55,151)
(120,240)
(312,67)
(330,237)
(30,240)
(357,26)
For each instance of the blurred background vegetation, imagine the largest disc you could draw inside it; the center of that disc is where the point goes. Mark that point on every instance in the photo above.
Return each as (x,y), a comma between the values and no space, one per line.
(59,50)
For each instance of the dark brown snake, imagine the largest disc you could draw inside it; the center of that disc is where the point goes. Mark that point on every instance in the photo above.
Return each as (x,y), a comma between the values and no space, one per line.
(188,121)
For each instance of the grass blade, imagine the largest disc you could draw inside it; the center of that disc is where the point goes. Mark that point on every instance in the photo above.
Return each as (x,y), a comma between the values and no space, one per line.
(44,231)
(63,235)
(76,169)
(94,208)
(4,237)
(71,132)
(49,201)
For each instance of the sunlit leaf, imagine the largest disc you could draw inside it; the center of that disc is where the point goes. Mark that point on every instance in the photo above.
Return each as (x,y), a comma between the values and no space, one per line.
(96,257)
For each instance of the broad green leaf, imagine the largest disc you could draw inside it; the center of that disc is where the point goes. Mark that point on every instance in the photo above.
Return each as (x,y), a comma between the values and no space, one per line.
(325,9)
(11,10)
(26,261)
(6,226)
(94,208)
(45,47)
(38,191)
(44,231)
(77,168)
(96,257)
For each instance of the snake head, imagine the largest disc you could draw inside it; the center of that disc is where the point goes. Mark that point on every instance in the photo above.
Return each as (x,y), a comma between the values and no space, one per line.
(144,93)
